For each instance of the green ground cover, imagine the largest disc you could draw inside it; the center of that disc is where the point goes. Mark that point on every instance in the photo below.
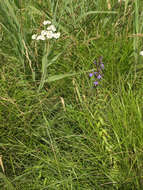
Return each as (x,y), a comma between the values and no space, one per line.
(58,131)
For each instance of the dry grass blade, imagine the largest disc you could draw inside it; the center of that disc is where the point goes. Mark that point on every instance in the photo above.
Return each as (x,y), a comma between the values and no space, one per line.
(30,62)
(136,35)
(1,164)
(109,4)
(63,103)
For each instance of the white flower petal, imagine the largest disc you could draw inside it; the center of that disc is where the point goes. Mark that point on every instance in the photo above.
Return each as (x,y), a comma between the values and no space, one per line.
(46,22)
(49,34)
(52,28)
(141,53)
(41,37)
(120,1)
(43,32)
(56,35)
(34,36)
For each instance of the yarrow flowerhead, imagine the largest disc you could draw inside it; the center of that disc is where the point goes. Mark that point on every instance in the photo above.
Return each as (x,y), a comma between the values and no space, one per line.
(99,72)
(49,33)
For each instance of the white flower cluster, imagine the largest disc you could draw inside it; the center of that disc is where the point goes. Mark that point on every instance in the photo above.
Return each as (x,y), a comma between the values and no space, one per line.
(49,33)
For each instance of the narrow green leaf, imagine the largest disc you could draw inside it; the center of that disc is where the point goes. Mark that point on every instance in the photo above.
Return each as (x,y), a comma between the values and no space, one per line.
(96,12)
(7,183)
(61,76)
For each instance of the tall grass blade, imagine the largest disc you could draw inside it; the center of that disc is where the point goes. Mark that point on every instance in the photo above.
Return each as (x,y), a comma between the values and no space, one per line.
(11,24)
(136,31)
(96,12)
(7,183)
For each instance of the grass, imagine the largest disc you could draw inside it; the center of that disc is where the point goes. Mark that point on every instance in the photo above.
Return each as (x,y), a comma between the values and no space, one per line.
(58,132)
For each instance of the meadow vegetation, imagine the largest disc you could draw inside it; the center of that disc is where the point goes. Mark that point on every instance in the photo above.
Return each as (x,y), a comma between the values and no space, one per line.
(57,130)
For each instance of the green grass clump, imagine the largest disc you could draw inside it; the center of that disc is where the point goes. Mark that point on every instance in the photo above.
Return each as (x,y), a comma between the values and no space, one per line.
(57,131)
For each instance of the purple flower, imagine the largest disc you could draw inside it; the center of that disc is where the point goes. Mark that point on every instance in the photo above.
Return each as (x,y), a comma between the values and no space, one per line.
(95,83)
(95,73)
(102,66)
(99,76)
(95,62)
(90,74)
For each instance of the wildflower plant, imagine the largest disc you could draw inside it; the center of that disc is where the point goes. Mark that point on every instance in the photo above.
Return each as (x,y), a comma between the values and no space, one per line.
(98,74)
(49,32)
